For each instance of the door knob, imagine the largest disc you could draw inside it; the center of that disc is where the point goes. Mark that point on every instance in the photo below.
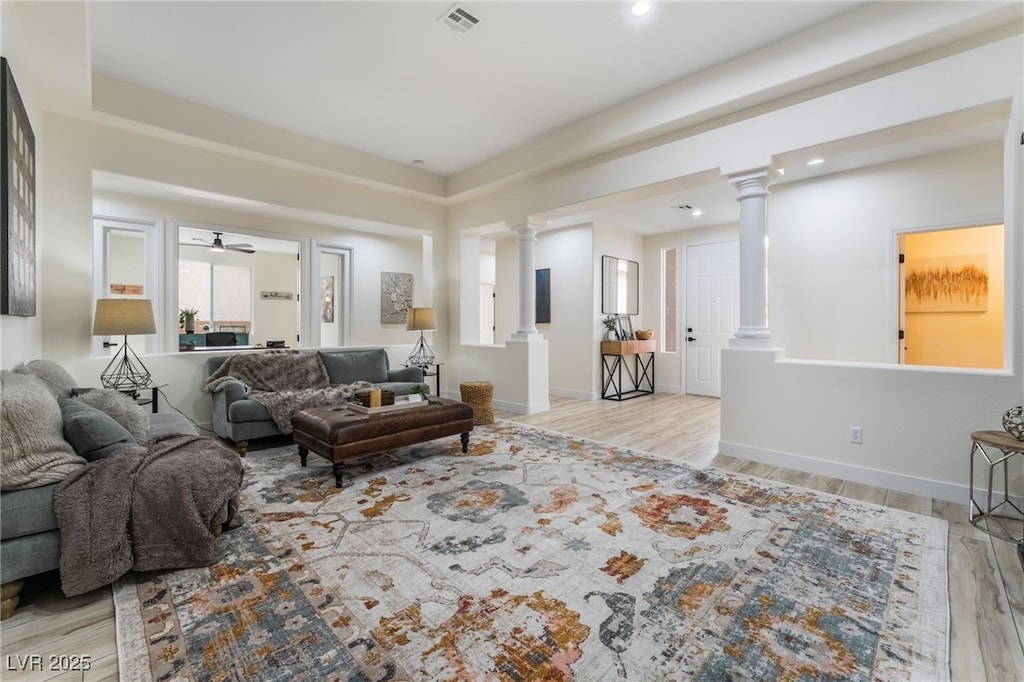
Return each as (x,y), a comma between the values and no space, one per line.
(690,338)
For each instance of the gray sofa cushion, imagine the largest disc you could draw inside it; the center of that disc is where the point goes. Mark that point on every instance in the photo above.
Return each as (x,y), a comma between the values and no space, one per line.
(92,433)
(166,424)
(23,512)
(345,367)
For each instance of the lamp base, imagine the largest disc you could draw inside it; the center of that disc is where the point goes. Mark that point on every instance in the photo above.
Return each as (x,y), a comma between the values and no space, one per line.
(126,373)
(422,355)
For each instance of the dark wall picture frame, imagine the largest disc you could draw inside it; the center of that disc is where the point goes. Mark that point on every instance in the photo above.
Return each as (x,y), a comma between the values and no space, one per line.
(18,199)
(543,296)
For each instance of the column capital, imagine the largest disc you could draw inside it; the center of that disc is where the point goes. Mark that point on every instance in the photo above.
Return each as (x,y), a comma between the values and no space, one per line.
(753,182)
(525,230)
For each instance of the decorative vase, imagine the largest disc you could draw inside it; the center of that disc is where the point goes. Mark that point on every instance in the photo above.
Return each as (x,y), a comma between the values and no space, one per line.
(1013,422)
(190,324)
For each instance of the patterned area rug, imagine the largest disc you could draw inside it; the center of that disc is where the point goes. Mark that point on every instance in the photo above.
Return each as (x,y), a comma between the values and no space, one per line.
(537,556)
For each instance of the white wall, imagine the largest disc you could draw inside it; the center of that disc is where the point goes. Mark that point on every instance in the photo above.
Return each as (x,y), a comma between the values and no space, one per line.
(916,423)
(831,265)
(571,334)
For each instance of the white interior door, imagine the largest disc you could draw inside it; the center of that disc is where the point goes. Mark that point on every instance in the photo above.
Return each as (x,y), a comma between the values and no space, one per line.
(712,312)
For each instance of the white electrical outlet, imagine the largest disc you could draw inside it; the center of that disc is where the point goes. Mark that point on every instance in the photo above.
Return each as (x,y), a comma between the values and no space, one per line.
(856,435)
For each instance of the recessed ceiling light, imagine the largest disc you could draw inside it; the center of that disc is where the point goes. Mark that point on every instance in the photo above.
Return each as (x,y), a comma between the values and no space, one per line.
(816,162)
(640,8)
(417,162)
(697,213)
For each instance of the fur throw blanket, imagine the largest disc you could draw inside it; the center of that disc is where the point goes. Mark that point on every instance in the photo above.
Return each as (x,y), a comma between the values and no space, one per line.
(274,370)
(147,507)
(283,381)
(283,404)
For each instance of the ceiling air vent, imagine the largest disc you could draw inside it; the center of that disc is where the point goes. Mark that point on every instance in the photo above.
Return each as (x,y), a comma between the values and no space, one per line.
(458,19)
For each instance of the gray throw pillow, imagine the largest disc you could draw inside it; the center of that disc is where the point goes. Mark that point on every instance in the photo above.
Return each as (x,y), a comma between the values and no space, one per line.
(121,407)
(92,433)
(346,367)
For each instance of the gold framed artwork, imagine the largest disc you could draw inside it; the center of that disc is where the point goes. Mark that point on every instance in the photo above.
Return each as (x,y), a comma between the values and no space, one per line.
(946,284)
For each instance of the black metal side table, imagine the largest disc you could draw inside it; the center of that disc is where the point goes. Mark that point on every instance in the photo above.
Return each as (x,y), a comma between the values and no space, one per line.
(154,396)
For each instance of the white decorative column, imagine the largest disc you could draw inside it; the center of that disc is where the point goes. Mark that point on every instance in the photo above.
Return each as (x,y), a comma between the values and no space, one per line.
(526,387)
(527,236)
(753,200)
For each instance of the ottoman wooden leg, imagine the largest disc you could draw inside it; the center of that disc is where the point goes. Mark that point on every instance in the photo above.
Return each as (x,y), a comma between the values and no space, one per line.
(9,597)
(465,441)
(243,447)
(303,453)
(339,475)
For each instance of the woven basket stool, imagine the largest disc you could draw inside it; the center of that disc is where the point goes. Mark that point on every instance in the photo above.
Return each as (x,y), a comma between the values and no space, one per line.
(478,395)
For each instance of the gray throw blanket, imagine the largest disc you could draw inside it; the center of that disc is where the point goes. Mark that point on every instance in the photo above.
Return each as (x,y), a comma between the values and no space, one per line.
(274,370)
(284,382)
(155,506)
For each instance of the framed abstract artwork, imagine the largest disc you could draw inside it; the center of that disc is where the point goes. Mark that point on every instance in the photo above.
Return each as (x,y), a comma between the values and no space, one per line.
(18,196)
(327,299)
(946,284)
(395,297)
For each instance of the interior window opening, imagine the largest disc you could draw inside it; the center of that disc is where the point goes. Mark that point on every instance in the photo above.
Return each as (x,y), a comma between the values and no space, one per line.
(951,297)
(236,288)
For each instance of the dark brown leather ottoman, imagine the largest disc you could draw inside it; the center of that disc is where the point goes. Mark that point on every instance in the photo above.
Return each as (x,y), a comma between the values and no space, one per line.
(339,435)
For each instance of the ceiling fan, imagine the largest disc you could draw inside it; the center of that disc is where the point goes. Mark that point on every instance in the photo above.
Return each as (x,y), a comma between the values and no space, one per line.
(218,245)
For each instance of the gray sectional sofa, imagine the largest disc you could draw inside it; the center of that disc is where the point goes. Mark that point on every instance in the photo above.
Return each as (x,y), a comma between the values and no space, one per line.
(29,536)
(240,419)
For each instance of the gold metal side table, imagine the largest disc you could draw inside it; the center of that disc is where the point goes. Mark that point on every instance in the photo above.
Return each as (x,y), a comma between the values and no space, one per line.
(999,516)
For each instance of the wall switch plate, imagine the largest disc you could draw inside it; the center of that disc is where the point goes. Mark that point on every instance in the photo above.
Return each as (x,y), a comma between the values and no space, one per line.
(856,435)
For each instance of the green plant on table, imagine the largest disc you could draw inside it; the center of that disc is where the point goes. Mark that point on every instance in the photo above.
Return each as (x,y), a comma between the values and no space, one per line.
(415,389)
(186,312)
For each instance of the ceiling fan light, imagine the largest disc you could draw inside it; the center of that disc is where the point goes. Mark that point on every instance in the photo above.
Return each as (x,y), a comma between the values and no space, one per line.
(217,246)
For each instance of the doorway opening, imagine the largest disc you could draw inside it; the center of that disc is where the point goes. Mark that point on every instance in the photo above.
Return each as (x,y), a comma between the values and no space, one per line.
(951,297)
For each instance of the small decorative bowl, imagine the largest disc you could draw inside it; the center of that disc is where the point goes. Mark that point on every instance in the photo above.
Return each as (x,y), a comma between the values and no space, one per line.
(643,334)
(1013,422)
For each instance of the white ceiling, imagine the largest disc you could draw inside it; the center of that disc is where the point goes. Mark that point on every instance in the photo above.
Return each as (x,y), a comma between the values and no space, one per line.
(389,79)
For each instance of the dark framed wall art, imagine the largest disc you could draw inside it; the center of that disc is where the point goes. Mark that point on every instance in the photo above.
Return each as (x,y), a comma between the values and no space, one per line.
(18,197)
(543,296)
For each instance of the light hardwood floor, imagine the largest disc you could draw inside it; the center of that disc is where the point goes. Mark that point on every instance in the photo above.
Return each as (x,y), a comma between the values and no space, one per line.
(986,581)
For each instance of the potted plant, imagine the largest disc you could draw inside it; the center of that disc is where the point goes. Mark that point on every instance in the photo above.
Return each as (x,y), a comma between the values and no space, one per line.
(611,325)
(187,319)
(415,393)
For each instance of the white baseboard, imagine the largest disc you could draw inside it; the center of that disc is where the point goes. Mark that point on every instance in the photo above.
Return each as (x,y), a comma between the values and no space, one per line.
(951,492)
(668,388)
(572,393)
